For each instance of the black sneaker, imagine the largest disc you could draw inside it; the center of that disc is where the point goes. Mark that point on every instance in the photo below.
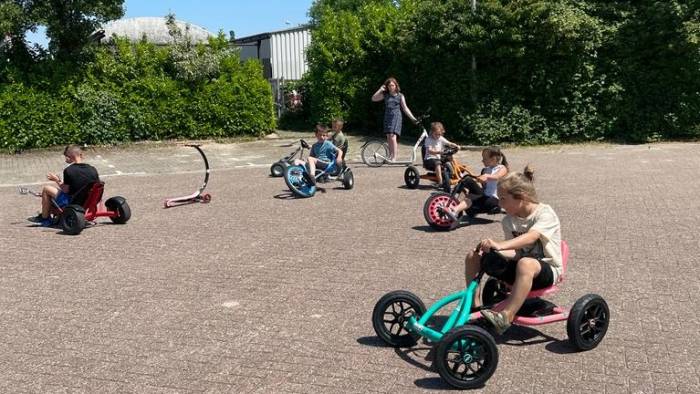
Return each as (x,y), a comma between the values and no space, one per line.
(36,219)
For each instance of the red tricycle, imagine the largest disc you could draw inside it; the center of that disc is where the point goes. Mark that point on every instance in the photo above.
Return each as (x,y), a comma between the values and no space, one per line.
(73,217)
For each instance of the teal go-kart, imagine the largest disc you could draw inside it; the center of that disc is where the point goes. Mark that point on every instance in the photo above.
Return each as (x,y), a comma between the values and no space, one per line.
(466,354)
(298,179)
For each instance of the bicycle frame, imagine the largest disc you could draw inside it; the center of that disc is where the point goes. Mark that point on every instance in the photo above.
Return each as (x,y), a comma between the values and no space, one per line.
(413,152)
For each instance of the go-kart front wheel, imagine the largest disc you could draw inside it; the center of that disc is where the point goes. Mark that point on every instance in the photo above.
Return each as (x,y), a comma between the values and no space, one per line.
(72,220)
(412,177)
(296,179)
(466,357)
(588,322)
(434,210)
(118,204)
(277,169)
(391,314)
(374,153)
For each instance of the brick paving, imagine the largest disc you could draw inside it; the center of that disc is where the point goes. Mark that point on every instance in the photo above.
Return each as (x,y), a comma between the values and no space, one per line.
(257,292)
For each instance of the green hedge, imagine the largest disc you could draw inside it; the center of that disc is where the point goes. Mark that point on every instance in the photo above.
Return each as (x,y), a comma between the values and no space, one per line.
(139,91)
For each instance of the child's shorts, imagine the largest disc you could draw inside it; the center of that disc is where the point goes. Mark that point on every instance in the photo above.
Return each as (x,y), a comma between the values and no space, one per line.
(543,280)
(483,204)
(430,164)
(322,165)
(62,199)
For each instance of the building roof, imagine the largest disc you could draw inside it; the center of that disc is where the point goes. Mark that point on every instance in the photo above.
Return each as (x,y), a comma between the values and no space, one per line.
(262,36)
(154,28)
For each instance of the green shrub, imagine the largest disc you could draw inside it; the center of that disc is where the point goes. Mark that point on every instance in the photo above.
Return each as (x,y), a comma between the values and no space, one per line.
(139,92)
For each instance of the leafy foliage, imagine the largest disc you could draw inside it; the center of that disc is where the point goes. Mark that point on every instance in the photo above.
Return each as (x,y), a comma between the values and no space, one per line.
(136,91)
(545,71)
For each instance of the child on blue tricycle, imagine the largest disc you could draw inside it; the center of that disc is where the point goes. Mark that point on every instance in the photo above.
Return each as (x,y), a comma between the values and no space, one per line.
(325,163)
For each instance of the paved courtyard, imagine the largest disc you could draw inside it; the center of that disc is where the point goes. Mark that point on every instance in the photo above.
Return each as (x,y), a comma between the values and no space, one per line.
(259,292)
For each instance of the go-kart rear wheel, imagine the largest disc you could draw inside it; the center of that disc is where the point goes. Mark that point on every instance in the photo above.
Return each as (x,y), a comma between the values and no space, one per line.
(466,357)
(295,177)
(588,322)
(72,220)
(277,169)
(374,153)
(412,177)
(434,207)
(118,204)
(348,179)
(390,315)
(493,292)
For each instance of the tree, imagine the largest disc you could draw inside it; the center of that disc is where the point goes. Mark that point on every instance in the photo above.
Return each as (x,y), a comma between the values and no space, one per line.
(69,23)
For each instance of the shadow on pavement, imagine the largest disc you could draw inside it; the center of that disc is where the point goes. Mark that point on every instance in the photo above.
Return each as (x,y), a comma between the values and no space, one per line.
(435,383)
(374,341)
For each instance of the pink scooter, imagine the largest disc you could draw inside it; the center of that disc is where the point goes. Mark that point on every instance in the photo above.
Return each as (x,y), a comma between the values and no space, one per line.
(196,196)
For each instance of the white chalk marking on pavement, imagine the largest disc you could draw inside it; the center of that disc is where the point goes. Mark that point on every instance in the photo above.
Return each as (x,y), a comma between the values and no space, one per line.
(110,165)
(316,316)
(230,304)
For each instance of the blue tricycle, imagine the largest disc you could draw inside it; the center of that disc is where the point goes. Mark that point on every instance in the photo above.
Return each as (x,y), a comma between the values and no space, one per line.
(298,179)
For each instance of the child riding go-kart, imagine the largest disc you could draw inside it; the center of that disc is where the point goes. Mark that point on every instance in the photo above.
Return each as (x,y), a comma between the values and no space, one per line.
(74,217)
(299,181)
(466,354)
(277,168)
(452,171)
(439,203)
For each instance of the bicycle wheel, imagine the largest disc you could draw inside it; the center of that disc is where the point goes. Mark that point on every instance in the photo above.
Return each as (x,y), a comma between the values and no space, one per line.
(374,153)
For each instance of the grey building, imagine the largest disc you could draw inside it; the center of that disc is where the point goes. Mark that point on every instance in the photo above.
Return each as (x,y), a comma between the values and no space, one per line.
(282,54)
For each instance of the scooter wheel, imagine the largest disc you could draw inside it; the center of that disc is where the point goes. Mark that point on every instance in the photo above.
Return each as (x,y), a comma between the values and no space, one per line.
(206,198)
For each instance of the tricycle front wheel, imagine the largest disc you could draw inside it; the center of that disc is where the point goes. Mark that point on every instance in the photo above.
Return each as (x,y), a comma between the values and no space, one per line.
(391,314)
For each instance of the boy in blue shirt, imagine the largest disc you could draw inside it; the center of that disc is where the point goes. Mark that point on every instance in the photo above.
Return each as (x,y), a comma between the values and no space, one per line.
(322,153)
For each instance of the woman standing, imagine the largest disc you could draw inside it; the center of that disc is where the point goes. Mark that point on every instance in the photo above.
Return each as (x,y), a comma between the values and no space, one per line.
(394,103)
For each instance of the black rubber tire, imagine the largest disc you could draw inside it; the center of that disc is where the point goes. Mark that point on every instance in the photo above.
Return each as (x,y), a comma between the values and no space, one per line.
(493,292)
(72,220)
(277,169)
(588,322)
(119,204)
(368,153)
(400,304)
(411,177)
(476,354)
(348,179)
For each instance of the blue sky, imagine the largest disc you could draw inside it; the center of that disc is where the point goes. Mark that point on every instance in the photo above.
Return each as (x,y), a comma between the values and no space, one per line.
(244,17)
